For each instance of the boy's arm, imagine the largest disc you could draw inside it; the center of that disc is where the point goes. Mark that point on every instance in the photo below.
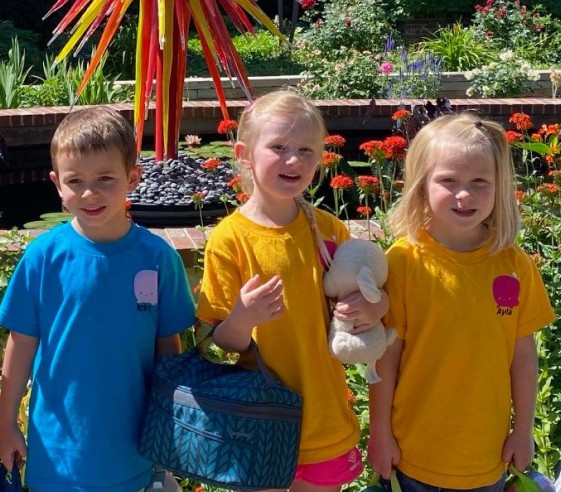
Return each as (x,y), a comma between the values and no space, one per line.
(168,345)
(18,360)
(383,451)
(519,446)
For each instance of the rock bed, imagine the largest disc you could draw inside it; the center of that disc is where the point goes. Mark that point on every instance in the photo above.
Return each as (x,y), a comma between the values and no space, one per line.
(174,182)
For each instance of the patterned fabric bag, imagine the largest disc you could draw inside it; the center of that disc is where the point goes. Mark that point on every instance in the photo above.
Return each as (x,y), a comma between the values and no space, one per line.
(222,425)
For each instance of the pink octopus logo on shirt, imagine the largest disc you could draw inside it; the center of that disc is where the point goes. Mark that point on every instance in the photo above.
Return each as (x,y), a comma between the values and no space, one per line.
(506,289)
(331,247)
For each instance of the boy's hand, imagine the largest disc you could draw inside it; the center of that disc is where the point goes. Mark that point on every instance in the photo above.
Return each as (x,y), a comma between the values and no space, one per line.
(12,446)
(363,314)
(518,449)
(383,454)
(259,302)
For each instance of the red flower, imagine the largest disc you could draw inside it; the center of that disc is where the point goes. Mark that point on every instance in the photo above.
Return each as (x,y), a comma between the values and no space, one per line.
(401,115)
(331,159)
(235,183)
(520,196)
(548,189)
(211,164)
(351,398)
(521,120)
(341,182)
(307,4)
(242,197)
(372,148)
(513,136)
(368,184)
(364,211)
(198,197)
(348,22)
(227,126)
(394,147)
(549,130)
(335,141)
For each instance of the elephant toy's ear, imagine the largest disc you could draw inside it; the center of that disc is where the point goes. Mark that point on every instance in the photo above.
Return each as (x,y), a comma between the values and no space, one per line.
(367,285)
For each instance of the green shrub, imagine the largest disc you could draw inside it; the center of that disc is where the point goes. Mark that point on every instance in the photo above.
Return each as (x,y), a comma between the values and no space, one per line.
(530,33)
(262,54)
(457,48)
(339,48)
(12,245)
(12,77)
(510,76)
(28,42)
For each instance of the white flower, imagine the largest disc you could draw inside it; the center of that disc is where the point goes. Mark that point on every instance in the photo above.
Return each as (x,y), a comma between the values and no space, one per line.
(555,77)
(534,75)
(470,92)
(469,75)
(506,55)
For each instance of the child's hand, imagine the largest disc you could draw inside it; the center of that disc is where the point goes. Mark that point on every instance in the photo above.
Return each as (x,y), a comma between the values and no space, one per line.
(518,449)
(363,314)
(12,446)
(383,454)
(259,303)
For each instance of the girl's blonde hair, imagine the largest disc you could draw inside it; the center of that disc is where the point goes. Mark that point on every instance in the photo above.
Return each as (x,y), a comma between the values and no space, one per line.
(471,136)
(284,103)
(94,129)
(289,104)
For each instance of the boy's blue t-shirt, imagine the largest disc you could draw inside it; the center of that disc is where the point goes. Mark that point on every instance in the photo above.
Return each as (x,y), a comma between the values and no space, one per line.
(97,309)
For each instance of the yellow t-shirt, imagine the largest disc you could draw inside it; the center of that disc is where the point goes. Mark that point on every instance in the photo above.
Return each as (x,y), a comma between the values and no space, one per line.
(459,315)
(295,345)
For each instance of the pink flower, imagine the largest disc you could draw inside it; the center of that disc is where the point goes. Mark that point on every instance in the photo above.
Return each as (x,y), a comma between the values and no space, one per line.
(386,67)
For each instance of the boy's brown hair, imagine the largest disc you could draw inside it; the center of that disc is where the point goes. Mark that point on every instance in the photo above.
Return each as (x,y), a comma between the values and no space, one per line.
(94,129)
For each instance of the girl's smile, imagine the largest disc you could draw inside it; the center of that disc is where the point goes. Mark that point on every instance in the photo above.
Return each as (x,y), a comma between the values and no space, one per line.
(461,196)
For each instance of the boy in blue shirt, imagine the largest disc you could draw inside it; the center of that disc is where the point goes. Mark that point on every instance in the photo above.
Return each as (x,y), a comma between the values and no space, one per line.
(88,307)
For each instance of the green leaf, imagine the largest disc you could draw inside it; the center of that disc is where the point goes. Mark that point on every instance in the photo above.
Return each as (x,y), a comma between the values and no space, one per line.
(358,164)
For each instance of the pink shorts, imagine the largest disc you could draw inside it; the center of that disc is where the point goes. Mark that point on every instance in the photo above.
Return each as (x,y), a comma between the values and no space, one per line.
(331,473)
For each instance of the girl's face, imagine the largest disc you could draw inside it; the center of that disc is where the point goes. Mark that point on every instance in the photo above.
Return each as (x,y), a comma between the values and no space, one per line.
(460,193)
(282,161)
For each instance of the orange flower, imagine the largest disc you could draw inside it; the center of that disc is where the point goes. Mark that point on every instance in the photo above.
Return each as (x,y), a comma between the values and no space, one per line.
(227,126)
(364,211)
(548,188)
(331,159)
(235,183)
(198,488)
(351,398)
(198,197)
(196,290)
(211,164)
(398,184)
(368,184)
(401,115)
(341,182)
(334,141)
(555,175)
(127,204)
(513,136)
(372,148)
(520,196)
(521,120)
(394,147)
(549,130)
(242,197)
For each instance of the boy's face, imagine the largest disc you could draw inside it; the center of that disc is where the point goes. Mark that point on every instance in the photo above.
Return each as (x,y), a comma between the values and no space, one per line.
(93,187)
